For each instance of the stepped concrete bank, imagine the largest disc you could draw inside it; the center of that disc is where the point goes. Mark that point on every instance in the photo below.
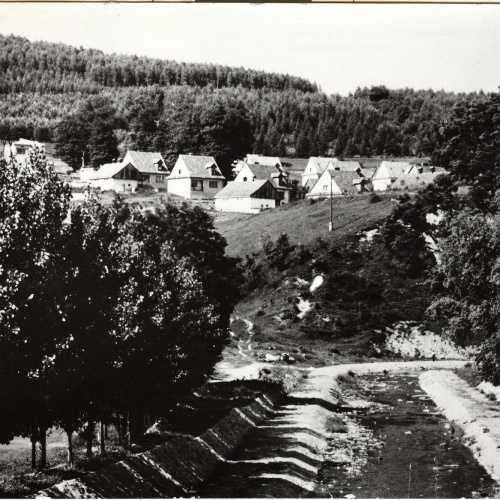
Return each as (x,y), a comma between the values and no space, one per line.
(175,469)
(292,439)
(471,411)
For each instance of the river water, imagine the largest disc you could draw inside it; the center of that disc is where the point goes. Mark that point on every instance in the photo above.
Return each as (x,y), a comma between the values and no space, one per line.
(416,453)
(411,452)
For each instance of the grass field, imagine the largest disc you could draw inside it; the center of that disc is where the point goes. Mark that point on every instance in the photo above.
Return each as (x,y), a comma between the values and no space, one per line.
(303,222)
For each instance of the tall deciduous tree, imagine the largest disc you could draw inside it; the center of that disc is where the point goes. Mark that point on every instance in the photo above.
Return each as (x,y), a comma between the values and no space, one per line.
(33,206)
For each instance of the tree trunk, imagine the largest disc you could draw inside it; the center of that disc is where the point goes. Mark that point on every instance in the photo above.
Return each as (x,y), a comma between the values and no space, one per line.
(42,464)
(90,438)
(102,436)
(71,455)
(33,448)
(136,424)
(105,431)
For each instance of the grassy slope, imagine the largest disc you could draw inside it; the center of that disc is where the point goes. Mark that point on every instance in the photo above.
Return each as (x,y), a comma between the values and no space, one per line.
(360,293)
(303,222)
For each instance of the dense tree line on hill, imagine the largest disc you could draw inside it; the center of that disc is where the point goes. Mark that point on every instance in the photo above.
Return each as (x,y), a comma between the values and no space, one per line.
(58,68)
(42,84)
(113,316)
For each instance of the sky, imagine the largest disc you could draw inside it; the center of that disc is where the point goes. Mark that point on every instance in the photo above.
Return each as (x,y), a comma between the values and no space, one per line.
(338,46)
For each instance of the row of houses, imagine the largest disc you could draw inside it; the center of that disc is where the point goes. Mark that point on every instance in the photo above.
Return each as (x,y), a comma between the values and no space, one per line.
(259,182)
(325,177)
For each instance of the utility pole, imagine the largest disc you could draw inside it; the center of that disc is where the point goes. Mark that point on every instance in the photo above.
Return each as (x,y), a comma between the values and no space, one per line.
(330,226)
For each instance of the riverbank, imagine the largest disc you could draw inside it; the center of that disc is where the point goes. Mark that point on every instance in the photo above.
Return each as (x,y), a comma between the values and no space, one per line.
(477,416)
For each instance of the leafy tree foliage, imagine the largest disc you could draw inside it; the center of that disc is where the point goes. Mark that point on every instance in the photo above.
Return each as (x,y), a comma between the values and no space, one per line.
(116,312)
(87,136)
(470,147)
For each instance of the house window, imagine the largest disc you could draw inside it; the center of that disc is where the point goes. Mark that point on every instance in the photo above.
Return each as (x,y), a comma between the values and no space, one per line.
(213,184)
(196,185)
(180,171)
(325,188)
(159,179)
(244,179)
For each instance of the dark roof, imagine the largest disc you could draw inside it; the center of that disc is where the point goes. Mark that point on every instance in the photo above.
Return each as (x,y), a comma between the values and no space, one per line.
(299,164)
(310,183)
(262,172)
(240,189)
(147,162)
(107,170)
(344,180)
(198,166)
(346,166)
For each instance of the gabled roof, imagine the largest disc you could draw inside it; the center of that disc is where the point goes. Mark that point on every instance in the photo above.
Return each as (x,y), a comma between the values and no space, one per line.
(147,163)
(240,189)
(298,164)
(346,166)
(262,172)
(262,160)
(321,163)
(394,168)
(419,170)
(368,172)
(310,183)
(199,166)
(344,180)
(108,170)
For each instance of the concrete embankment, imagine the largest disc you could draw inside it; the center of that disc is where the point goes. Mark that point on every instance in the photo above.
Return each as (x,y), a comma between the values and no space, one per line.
(291,440)
(175,469)
(472,412)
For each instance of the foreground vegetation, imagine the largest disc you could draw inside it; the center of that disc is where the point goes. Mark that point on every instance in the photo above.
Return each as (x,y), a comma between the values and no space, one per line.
(112,316)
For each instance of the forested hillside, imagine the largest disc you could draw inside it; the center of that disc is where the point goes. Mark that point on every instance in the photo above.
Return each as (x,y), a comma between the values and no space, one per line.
(176,107)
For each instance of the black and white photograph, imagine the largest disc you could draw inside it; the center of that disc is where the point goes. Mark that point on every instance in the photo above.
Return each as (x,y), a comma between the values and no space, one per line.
(249,250)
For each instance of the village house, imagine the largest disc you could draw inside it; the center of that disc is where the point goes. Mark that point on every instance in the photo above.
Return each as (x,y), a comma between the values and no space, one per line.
(417,177)
(195,177)
(19,149)
(119,177)
(247,197)
(387,173)
(315,167)
(152,167)
(275,173)
(337,183)
(268,161)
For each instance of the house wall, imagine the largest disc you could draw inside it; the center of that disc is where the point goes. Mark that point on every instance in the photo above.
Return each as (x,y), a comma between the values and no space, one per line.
(310,172)
(208,192)
(179,186)
(245,172)
(243,205)
(118,185)
(322,187)
(382,179)
(381,184)
(158,181)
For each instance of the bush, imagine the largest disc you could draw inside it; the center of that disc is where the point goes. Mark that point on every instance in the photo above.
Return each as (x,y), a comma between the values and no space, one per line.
(375,198)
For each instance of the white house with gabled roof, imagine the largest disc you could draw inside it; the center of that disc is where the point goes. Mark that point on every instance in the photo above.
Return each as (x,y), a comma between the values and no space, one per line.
(195,177)
(387,173)
(314,168)
(152,166)
(249,197)
(118,177)
(274,173)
